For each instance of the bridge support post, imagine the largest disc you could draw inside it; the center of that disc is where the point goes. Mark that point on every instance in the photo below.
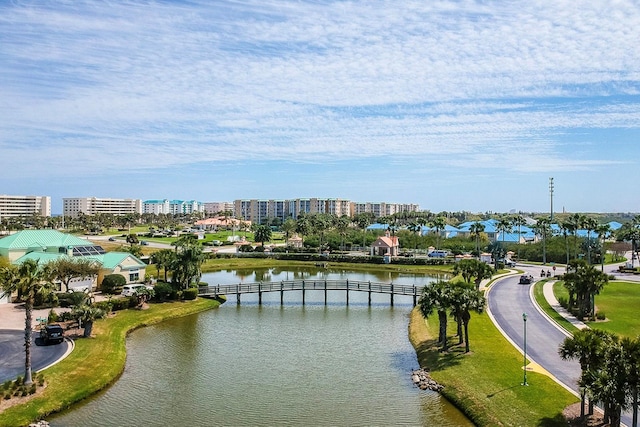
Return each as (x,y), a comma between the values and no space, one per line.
(303,293)
(238,297)
(369,293)
(415,296)
(281,293)
(260,293)
(392,295)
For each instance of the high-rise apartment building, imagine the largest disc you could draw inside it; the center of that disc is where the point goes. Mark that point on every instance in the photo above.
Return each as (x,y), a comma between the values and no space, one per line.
(13,206)
(258,211)
(175,207)
(71,207)
(212,208)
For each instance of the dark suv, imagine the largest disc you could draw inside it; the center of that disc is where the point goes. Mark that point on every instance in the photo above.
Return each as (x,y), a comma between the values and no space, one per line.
(52,334)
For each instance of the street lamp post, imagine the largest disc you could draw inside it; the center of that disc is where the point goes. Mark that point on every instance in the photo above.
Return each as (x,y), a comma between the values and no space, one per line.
(524,363)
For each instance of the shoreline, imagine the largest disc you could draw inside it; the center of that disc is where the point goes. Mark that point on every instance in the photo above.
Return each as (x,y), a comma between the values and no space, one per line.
(97,362)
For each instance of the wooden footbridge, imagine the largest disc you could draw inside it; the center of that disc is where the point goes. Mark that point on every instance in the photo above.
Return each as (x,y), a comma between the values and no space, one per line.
(259,288)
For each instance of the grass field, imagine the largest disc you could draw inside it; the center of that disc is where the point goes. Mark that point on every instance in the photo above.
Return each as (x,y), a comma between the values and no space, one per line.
(486,383)
(619,301)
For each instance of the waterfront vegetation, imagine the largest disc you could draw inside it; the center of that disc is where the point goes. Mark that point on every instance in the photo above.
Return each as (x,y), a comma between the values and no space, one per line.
(486,384)
(95,363)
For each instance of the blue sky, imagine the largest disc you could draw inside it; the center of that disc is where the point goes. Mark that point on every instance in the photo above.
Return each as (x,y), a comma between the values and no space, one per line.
(453,105)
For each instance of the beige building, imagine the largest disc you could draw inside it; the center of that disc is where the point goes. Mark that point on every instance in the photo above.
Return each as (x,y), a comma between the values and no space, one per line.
(13,206)
(71,207)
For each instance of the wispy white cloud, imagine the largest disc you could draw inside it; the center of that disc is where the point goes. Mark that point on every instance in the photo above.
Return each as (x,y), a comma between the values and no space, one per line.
(466,83)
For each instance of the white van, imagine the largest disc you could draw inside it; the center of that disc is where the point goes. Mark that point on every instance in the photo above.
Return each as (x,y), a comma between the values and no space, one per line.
(129,290)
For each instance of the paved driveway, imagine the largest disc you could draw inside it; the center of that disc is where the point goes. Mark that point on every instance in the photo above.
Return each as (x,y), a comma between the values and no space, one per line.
(12,353)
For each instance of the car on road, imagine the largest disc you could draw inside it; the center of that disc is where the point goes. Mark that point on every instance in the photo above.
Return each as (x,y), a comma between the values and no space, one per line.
(508,262)
(526,279)
(216,243)
(144,243)
(52,334)
(112,239)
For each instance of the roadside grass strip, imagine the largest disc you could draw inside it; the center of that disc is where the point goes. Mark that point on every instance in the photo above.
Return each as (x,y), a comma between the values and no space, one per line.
(486,384)
(542,302)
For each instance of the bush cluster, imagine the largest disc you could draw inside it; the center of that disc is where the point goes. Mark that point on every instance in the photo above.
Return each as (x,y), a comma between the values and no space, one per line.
(18,388)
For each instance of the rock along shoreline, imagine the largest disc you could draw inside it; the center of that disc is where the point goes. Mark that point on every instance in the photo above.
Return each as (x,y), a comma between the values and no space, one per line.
(423,380)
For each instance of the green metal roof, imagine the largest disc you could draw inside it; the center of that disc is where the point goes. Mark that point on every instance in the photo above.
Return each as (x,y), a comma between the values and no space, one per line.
(26,239)
(109,261)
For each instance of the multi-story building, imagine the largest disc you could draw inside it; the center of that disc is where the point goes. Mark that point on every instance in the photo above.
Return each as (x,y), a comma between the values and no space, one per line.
(258,211)
(212,208)
(12,206)
(172,207)
(71,207)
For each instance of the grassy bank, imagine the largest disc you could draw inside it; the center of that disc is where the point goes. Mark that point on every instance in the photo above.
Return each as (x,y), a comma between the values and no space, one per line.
(486,384)
(619,302)
(218,264)
(95,363)
(546,307)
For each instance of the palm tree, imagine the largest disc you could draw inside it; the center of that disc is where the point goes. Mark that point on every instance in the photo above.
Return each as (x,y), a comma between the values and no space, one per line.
(438,223)
(567,228)
(262,234)
(586,282)
(542,227)
(590,225)
(288,227)
(28,280)
(586,346)
(475,229)
(163,260)
(518,221)
(604,232)
(632,350)
(473,269)
(436,296)
(577,222)
(503,226)
(471,300)
(86,315)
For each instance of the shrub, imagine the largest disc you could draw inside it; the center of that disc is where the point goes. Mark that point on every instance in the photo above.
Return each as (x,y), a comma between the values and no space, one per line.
(163,291)
(600,315)
(53,316)
(112,283)
(190,294)
(32,389)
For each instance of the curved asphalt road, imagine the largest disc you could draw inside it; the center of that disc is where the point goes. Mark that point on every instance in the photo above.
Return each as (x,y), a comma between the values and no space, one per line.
(507,300)
(12,354)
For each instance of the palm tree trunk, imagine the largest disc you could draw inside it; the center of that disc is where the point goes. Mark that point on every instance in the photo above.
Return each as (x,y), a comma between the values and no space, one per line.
(466,336)
(634,422)
(27,339)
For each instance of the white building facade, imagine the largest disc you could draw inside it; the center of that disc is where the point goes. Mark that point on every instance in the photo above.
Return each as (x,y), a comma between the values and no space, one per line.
(14,206)
(71,207)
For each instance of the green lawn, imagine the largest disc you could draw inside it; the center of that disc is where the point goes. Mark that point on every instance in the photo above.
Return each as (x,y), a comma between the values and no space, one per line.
(619,301)
(486,384)
(95,363)
(544,305)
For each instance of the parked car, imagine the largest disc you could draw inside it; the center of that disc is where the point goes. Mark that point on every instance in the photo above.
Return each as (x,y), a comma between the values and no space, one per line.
(112,239)
(144,243)
(526,279)
(216,242)
(438,253)
(130,290)
(52,334)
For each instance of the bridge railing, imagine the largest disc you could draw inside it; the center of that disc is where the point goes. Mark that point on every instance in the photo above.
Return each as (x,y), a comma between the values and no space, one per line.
(304,285)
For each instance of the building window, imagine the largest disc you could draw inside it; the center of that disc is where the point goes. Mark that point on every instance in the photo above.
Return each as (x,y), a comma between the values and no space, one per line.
(134,277)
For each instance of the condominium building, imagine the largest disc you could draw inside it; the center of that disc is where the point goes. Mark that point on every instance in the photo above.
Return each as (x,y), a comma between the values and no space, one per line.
(12,206)
(174,207)
(212,208)
(258,211)
(71,207)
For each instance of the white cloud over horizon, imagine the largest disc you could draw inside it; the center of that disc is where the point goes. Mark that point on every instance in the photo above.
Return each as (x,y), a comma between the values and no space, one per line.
(535,88)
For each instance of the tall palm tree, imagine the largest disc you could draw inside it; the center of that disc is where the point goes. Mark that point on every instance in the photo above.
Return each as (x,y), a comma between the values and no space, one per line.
(475,229)
(262,234)
(587,282)
(590,224)
(438,223)
(28,279)
(567,228)
(436,297)
(604,232)
(632,350)
(503,226)
(586,346)
(518,221)
(577,222)
(163,260)
(471,300)
(542,228)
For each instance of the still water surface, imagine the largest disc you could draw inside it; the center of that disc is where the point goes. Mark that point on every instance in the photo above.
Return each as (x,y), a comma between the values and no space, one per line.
(293,365)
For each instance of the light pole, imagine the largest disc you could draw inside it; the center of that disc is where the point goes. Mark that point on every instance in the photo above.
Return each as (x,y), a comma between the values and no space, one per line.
(524,363)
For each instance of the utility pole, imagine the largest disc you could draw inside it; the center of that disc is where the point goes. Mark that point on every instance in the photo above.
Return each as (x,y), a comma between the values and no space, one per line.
(551,196)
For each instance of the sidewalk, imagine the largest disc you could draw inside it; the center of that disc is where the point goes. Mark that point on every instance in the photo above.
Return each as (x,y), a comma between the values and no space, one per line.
(547,291)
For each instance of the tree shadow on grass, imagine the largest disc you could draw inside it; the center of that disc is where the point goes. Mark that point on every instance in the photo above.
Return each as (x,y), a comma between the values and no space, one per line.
(556,421)
(431,358)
